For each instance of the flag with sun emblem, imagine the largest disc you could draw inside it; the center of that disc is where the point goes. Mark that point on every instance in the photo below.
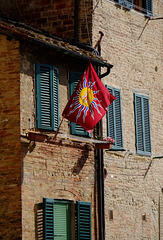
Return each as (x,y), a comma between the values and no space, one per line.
(89,101)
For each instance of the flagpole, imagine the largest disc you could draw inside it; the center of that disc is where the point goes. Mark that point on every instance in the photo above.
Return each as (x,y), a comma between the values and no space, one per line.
(55,135)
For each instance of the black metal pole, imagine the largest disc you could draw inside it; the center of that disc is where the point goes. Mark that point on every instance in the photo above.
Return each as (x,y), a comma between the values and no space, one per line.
(101,202)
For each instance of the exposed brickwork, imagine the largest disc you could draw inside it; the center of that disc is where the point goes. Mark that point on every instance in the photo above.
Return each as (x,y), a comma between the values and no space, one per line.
(133,44)
(27,83)
(10,164)
(133,185)
(85,21)
(64,171)
(54,171)
(56,17)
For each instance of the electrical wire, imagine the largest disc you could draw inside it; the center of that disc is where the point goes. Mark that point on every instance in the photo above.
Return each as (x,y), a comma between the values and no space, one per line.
(20,12)
(96,6)
(87,27)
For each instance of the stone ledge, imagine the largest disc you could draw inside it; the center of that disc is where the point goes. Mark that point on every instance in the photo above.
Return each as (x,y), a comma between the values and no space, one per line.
(69,139)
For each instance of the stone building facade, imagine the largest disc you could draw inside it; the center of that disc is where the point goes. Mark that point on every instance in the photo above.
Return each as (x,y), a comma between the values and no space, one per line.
(39,173)
(67,168)
(133,186)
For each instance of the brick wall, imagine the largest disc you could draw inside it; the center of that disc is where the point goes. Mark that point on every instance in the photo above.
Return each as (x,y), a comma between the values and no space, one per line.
(57,171)
(133,44)
(10,167)
(85,21)
(56,17)
(61,170)
(30,55)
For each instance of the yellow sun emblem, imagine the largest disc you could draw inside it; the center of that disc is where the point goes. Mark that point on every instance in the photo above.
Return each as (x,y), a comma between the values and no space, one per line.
(86,96)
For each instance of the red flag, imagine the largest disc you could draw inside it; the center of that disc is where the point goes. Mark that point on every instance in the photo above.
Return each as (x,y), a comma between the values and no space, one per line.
(89,101)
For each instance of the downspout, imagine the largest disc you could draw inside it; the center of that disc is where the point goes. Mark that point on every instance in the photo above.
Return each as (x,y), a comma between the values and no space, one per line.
(100,171)
(101,210)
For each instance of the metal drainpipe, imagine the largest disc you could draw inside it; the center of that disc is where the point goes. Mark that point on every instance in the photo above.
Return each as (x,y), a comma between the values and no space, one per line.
(100,176)
(100,158)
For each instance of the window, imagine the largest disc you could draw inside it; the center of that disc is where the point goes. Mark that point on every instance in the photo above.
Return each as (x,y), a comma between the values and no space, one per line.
(142,125)
(110,215)
(144,6)
(75,129)
(47,97)
(114,119)
(58,218)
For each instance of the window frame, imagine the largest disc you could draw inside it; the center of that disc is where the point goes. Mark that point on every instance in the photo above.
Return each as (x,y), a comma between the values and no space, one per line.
(142,114)
(114,117)
(130,4)
(49,217)
(82,217)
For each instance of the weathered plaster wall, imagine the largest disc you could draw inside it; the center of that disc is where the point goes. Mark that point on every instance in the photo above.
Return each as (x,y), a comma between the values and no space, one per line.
(10,163)
(133,44)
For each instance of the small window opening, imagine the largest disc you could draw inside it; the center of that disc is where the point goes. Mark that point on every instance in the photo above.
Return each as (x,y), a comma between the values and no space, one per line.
(110,215)
(144,217)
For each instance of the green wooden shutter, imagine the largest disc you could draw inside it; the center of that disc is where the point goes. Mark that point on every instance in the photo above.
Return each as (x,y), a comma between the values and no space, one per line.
(147,135)
(118,119)
(139,124)
(84,220)
(48,219)
(114,119)
(62,224)
(126,3)
(60,221)
(56,97)
(110,119)
(142,125)
(149,7)
(75,129)
(47,97)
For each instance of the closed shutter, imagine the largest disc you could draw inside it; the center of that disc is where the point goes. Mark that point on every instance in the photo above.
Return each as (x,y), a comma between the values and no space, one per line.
(126,3)
(118,119)
(47,97)
(139,124)
(56,97)
(48,219)
(84,220)
(149,7)
(147,135)
(114,119)
(75,129)
(110,119)
(60,221)
(142,124)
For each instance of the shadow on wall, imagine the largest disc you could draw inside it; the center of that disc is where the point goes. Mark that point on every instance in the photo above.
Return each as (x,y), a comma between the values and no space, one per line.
(81,161)
(25,148)
(38,209)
